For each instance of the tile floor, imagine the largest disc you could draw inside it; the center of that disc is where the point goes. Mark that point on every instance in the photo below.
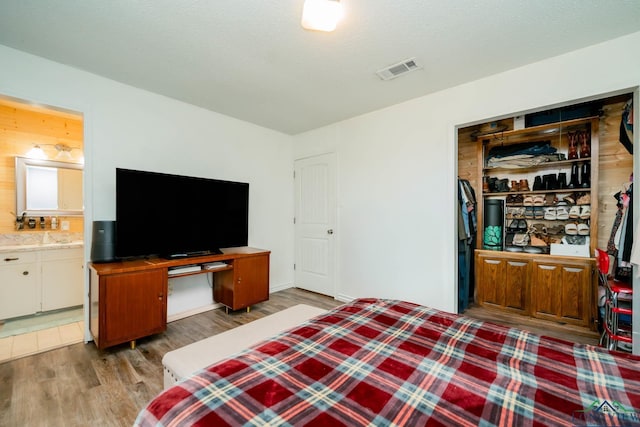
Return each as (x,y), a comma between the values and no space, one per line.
(30,343)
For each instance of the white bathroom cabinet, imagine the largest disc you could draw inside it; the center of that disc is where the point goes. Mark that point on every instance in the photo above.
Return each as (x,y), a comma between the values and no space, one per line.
(19,284)
(62,274)
(40,280)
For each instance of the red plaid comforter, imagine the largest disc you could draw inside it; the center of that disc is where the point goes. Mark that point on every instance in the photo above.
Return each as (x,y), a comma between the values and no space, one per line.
(392,363)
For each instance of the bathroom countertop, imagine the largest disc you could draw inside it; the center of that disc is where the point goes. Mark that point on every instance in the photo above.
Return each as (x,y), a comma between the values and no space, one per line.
(41,246)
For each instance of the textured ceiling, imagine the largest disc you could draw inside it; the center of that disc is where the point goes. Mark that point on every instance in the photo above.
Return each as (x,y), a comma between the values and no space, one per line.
(250,59)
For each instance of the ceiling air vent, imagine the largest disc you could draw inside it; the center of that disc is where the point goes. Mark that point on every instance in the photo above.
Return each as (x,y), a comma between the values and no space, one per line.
(396,70)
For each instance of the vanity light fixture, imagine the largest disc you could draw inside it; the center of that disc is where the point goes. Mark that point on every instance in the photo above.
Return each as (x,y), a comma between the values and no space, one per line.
(64,152)
(36,153)
(321,15)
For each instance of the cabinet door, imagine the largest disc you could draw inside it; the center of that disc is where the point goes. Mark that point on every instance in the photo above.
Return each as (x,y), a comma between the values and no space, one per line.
(18,290)
(251,281)
(62,283)
(562,291)
(490,280)
(133,305)
(515,292)
(502,282)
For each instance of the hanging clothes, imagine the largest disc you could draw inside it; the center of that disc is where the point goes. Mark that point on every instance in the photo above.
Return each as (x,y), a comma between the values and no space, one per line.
(626,126)
(620,242)
(467,226)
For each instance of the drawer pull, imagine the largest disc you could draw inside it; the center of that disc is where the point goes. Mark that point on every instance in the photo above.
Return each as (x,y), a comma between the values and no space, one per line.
(11,259)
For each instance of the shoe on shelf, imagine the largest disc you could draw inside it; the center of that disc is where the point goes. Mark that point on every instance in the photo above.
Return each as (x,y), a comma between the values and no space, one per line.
(538,200)
(585,175)
(528,212)
(537,241)
(585,212)
(556,229)
(575,177)
(538,228)
(550,213)
(585,144)
(562,180)
(573,145)
(562,213)
(514,200)
(571,229)
(528,201)
(522,225)
(509,213)
(584,199)
(537,184)
(502,185)
(524,185)
(583,229)
(538,212)
(574,212)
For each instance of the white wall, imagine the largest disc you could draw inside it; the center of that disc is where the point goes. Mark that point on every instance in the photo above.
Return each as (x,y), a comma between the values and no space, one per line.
(132,128)
(397,169)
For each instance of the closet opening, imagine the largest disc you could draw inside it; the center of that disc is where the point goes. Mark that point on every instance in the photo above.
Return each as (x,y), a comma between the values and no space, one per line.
(538,192)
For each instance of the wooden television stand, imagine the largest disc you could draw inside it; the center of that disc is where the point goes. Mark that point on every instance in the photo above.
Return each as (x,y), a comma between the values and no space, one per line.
(128,299)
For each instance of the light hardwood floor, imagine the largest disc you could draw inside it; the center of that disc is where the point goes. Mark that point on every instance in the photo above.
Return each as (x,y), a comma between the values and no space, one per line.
(541,327)
(79,385)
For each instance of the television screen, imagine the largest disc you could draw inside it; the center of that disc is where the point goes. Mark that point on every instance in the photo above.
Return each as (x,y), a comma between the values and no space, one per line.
(174,216)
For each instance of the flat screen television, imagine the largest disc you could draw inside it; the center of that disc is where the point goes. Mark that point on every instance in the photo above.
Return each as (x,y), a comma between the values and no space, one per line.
(174,216)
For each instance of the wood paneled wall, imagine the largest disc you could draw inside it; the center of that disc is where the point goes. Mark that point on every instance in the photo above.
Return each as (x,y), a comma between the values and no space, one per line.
(615,163)
(22,127)
(616,168)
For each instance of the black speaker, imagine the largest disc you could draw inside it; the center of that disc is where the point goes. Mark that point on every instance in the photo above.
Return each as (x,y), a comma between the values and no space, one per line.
(103,242)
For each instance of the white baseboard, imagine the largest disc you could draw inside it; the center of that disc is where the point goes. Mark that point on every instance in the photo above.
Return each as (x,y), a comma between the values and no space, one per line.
(344,298)
(280,287)
(193,311)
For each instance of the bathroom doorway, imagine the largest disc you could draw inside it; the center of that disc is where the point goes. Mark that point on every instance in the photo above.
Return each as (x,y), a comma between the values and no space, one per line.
(42,269)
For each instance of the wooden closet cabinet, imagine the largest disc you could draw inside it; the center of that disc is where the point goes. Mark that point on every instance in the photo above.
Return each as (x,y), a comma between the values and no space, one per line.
(504,282)
(561,292)
(552,288)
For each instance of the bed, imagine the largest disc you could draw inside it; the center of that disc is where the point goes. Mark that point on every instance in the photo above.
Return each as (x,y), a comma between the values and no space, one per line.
(387,362)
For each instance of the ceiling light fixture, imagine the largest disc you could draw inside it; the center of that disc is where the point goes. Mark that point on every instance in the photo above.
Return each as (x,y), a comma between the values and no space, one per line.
(321,15)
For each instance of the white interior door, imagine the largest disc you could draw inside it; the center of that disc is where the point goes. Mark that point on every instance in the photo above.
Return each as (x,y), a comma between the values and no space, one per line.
(315,223)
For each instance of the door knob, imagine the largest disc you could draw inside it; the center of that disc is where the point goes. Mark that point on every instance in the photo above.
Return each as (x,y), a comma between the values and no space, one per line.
(330,231)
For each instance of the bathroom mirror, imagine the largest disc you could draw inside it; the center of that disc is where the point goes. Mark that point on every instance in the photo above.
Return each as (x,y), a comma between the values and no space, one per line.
(48,188)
